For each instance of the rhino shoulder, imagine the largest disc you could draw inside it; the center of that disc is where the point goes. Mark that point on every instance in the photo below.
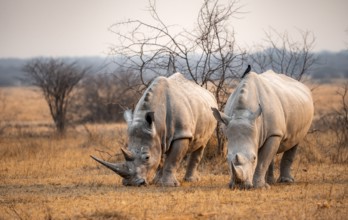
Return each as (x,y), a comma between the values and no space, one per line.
(178,78)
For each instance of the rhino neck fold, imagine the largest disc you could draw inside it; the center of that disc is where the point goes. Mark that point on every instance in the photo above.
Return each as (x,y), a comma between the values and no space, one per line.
(155,100)
(248,98)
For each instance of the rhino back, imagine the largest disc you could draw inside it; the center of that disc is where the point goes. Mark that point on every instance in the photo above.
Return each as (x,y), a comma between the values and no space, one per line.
(182,109)
(287,106)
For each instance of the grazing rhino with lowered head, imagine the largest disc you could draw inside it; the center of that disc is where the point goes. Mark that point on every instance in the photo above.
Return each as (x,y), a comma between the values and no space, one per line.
(267,114)
(172,118)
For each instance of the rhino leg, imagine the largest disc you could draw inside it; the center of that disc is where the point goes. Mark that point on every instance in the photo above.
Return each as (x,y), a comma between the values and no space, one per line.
(158,175)
(285,166)
(265,157)
(270,173)
(191,172)
(176,154)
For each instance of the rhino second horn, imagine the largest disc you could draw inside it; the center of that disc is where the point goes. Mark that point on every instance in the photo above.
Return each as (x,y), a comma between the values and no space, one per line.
(240,159)
(237,172)
(129,155)
(120,169)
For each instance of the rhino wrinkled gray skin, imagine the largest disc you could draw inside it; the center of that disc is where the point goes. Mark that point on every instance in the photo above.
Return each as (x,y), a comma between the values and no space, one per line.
(172,118)
(267,114)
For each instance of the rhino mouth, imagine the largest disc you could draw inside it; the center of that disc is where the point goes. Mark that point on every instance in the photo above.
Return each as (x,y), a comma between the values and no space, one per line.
(239,185)
(132,182)
(239,180)
(122,170)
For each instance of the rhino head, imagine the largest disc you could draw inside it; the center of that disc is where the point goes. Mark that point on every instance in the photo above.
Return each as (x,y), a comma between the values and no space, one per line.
(143,155)
(242,134)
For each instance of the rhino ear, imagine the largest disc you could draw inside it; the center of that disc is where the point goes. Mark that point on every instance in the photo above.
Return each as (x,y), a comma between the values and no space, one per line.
(128,116)
(221,117)
(150,117)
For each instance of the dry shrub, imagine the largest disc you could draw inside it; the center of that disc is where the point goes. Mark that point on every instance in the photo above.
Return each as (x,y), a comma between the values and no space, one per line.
(331,139)
(310,151)
(330,125)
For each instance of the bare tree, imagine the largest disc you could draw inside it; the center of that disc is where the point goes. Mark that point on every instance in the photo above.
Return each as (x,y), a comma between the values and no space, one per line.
(341,120)
(284,55)
(56,79)
(104,97)
(208,54)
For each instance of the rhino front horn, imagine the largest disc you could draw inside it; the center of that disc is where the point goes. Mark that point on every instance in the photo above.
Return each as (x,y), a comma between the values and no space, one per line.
(120,169)
(237,173)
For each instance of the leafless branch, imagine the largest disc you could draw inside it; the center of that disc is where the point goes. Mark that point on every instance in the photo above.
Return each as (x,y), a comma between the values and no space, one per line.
(284,55)
(56,79)
(207,54)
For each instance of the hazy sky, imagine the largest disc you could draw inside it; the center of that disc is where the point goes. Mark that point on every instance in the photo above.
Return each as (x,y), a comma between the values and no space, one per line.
(80,27)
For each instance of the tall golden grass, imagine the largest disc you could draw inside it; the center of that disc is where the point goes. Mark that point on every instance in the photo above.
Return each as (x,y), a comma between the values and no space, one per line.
(46,177)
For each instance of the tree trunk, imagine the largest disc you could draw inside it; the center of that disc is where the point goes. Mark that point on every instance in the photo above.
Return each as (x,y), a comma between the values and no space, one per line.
(60,122)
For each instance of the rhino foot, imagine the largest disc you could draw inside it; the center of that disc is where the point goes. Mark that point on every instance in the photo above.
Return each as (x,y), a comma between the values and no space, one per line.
(171,184)
(284,179)
(231,185)
(263,185)
(270,180)
(241,186)
(167,181)
(157,178)
(193,178)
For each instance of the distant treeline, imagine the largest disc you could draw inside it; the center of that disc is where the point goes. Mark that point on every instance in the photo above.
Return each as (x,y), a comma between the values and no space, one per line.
(329,66)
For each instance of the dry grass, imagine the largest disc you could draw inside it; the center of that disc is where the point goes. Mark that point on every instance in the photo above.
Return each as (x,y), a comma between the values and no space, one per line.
(27,104)
(43,177)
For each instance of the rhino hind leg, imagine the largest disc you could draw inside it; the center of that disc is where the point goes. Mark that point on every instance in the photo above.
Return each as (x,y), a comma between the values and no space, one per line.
(191,172)
(285,166)
(171,163)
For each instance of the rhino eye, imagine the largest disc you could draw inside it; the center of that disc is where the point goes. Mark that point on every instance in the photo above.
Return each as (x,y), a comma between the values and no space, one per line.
(253,159)
(145,157)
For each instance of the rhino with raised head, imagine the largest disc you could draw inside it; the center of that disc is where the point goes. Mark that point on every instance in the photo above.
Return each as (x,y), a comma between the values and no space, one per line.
(267,114)
(172,118)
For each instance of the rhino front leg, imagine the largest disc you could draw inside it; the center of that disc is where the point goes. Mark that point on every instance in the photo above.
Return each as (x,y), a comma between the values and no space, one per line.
(158,175)
(191,172)
(159,171)
(265,157)
(176,154)
(285,166)
(270,173)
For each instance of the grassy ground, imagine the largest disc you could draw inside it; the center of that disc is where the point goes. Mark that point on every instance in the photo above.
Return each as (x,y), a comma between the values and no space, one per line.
(44,177)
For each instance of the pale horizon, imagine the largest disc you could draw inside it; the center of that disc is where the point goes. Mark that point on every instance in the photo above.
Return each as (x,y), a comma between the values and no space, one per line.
(80,27)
